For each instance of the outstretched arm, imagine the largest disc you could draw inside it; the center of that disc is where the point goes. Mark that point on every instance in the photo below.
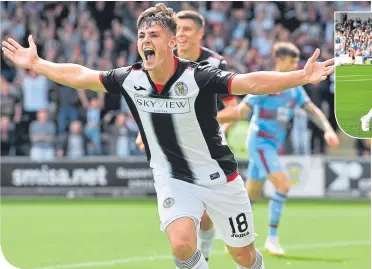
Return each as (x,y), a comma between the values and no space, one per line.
(320,120)
(260,83)
(233,113)
(72,75)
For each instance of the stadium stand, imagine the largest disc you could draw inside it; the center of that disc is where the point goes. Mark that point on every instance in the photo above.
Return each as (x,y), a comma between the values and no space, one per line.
(82,32)
(354,33)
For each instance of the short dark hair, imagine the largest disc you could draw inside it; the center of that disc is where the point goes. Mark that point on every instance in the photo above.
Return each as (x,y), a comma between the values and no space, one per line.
(193,15)
(161,14)
(283,49)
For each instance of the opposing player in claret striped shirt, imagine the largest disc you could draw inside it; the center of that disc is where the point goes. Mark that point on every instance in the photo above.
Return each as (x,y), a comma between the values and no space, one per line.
(190,31)
(266,134)
(174,104)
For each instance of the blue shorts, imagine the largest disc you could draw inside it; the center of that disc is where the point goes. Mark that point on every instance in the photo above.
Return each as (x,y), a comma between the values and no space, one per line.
(263,160)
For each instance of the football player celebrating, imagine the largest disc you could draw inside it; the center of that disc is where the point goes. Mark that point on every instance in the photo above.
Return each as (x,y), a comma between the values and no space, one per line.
(190,32)
(173,102)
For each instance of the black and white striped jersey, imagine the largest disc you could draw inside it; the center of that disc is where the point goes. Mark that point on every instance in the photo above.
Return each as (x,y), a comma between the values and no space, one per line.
(216,60)
(178,125)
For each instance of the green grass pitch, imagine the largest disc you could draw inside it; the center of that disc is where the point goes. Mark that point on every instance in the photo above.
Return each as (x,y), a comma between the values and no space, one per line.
(125,235)
(353,98)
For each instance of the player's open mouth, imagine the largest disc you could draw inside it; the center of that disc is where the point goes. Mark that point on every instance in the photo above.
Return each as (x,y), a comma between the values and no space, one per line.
(149,54)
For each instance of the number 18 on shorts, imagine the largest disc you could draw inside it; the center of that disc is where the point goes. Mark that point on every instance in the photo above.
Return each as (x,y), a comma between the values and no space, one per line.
(239,226)
(227,205)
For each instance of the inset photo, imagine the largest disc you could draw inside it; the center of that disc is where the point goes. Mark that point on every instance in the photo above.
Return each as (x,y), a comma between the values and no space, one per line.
(353,75)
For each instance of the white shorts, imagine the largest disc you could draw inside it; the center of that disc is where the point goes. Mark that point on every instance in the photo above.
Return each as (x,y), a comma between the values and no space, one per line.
(227,205)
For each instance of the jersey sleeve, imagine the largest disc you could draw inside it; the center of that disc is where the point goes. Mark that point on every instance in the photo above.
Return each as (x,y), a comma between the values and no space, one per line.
(252,100)
(113,79)
(302,97)
(213,79)
(225,97)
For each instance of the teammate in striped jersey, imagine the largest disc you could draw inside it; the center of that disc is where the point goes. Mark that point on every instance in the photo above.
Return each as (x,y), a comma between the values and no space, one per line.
(174,104)
(190,31)
(266,134)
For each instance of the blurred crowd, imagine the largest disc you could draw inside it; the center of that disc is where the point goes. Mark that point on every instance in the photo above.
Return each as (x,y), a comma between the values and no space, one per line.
(353,33)
(45,120)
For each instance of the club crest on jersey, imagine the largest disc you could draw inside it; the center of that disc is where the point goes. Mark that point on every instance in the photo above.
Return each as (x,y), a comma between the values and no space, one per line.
(181,88)
(168,202)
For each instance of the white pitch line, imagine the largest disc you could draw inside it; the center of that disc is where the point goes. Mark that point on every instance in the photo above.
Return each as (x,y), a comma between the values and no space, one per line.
(291,213)
(329,244)
(352,80)
(353,76)
(214,253)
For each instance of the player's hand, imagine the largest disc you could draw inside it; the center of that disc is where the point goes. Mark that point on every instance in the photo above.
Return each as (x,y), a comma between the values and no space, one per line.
(332,139)
(139,143)
(316,72)
(20,56)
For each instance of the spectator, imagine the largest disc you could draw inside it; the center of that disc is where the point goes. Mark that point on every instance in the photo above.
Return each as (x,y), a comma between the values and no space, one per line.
(74,144)
(10,103)
(125,11)
(109,48)
(101,11)
(253,61)
(239,26)
(11,107)
(133,53)
(118,136)
(111,103)
(329,27)
(6,136)
(264,43)
(92,128)
(35,96)
(124,108)
(133,131)
(7,68)
(67,112)
(218,38)
(260,23)
(311,26)
(42,133)
(123,37)
(216,14)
